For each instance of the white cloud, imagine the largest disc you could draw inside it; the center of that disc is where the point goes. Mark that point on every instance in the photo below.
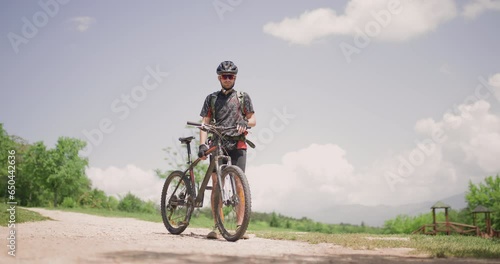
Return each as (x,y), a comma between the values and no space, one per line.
(82,23)
(396,21)
(304,180)
(119,181)
(475,8)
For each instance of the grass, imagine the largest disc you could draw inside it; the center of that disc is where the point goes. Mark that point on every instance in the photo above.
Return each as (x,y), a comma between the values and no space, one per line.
(22,215)
(458,246)
(435,246)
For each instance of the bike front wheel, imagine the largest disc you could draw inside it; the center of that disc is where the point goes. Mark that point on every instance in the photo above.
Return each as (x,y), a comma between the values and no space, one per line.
(176,202)
(232,204)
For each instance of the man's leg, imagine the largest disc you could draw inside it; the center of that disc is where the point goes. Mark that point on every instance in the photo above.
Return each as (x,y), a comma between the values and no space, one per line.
(213,234)
(239,158)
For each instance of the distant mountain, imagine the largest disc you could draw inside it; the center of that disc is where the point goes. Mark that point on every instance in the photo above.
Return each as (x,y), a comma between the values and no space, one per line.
(377,215)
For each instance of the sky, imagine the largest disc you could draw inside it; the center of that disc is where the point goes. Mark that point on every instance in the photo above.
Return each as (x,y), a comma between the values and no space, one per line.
(357,102)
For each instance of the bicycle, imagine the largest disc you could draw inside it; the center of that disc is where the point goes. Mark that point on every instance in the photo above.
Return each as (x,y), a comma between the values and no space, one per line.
(179,196)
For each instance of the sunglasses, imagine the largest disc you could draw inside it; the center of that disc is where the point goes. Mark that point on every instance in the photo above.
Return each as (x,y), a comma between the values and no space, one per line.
(227,77)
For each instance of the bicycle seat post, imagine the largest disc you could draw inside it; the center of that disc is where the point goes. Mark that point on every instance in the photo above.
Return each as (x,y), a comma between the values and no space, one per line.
(187,141)
(189,152)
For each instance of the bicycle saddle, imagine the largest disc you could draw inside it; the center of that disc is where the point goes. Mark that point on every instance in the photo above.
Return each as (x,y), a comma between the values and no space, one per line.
(186,140)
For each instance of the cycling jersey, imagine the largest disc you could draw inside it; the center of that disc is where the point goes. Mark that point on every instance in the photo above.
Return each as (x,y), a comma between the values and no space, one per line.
(228,113)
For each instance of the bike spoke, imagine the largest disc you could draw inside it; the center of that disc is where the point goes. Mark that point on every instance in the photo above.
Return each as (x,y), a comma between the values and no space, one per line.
(175,206)
(233,213)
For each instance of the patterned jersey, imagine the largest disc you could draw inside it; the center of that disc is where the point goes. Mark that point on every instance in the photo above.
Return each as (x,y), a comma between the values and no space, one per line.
(228,113)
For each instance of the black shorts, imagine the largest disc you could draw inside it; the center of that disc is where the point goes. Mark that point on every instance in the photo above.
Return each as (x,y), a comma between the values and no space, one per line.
(238,158)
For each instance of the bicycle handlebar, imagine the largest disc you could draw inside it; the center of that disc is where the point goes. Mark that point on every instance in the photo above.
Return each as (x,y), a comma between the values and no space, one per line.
(193,123)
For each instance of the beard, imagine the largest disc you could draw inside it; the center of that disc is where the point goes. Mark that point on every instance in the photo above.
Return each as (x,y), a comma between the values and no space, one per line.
(227,88)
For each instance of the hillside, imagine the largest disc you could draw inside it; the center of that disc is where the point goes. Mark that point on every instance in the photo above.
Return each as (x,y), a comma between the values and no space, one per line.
(377,215)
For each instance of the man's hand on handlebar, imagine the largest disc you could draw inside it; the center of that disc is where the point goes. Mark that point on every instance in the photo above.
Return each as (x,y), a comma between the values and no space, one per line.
(201,152)
(242,126)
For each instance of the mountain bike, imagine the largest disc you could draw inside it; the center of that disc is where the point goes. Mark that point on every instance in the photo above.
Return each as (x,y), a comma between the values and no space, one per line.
(232,203)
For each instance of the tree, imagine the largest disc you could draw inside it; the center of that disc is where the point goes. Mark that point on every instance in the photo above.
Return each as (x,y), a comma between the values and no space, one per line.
(68,176)
(6,145)
(275,222)
(486,194)
(22,181)
(37,167)
(43,174)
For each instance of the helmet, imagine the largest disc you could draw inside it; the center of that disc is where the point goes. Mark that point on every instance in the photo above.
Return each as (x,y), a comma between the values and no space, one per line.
(227,67)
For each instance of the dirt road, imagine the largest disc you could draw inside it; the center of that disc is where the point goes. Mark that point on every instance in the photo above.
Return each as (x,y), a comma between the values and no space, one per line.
(81,238)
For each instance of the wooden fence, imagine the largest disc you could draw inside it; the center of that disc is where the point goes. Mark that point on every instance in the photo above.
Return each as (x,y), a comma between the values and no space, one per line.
(448,228)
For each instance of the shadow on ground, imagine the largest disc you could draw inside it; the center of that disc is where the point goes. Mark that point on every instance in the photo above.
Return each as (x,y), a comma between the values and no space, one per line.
(168,257)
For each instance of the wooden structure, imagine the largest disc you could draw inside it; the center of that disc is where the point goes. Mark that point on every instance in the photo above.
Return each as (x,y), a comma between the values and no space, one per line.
(440,205)
(490,232)
(448,227)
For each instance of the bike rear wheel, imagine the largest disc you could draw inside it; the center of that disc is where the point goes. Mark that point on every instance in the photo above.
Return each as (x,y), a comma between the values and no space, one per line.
(176,202)
(232,212)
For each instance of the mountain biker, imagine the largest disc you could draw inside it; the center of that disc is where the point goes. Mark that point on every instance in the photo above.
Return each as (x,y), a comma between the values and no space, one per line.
(225,108)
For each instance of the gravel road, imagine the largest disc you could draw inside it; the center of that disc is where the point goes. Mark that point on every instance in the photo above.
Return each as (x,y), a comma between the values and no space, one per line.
(80,238)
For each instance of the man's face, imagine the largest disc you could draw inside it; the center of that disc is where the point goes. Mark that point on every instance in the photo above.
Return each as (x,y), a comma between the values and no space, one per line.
(227,80)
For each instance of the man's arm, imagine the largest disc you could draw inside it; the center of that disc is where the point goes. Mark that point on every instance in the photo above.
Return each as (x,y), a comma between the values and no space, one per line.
(203,138)
(251,122)
(251,119)
(204,134)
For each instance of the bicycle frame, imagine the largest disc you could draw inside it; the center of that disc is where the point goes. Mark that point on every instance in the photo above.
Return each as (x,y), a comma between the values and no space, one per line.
(214,163)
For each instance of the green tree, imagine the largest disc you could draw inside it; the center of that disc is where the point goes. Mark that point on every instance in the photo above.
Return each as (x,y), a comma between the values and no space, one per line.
(68,178)
(37,167)
(275,222)
(486,194)
(43,174)
(6,145)
(26,168)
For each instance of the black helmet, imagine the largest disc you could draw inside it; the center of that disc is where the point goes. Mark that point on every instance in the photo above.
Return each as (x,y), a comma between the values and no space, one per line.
(227,67)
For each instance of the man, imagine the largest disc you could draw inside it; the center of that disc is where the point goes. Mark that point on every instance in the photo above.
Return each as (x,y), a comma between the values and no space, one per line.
(228,108)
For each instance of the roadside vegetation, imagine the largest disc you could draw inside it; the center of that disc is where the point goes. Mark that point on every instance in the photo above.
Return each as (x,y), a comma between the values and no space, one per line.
(22,215)
(440,246)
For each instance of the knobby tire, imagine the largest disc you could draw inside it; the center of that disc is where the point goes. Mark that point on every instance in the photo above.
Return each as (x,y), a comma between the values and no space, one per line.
(226,216)
(176,202)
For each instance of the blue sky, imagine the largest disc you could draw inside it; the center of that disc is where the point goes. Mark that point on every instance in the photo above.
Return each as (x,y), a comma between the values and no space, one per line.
(345,92)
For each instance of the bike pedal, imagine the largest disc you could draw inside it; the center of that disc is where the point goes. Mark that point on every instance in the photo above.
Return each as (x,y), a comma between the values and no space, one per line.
(209,188)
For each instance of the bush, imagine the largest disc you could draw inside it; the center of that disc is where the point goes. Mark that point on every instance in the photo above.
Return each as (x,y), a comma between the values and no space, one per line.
(405,224)
(94,199)
(130,203)
(112,203)
(148,207)
(68,202)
